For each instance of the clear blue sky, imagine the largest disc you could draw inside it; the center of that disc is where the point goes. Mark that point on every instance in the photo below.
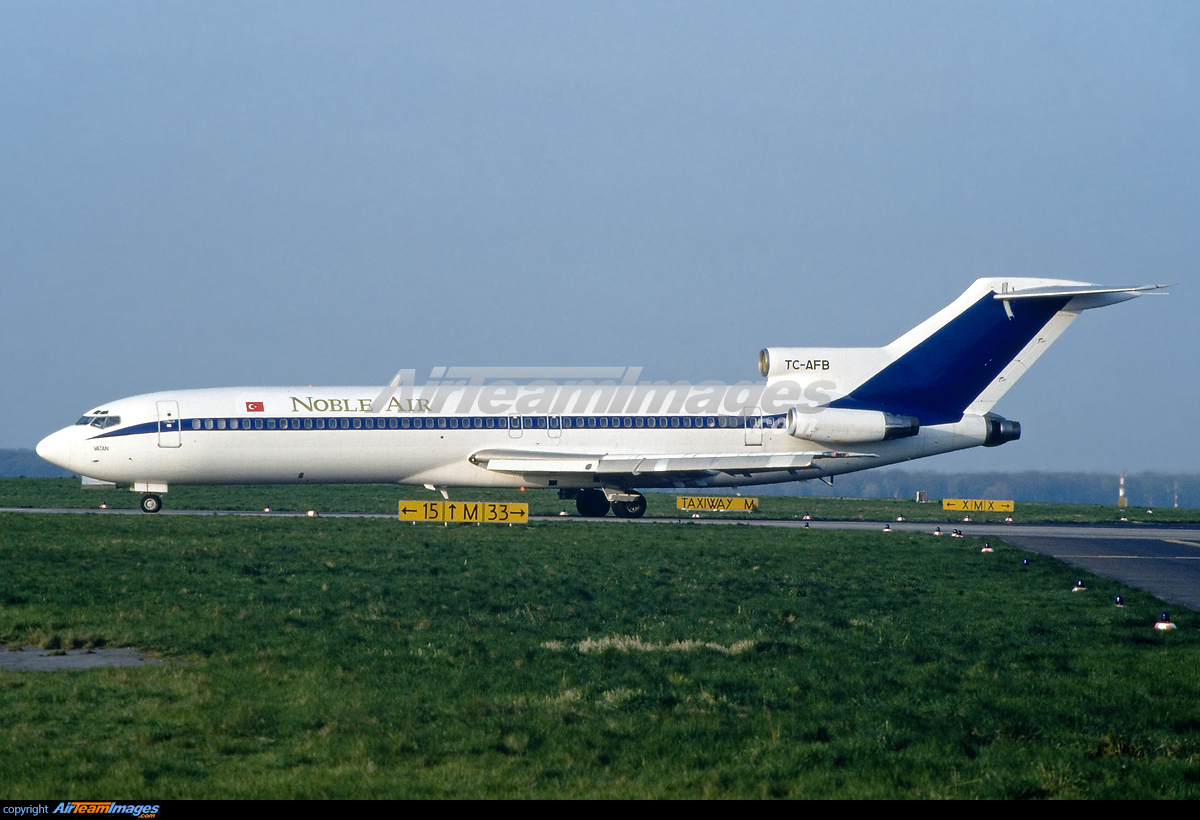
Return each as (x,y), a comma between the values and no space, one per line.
(207,194)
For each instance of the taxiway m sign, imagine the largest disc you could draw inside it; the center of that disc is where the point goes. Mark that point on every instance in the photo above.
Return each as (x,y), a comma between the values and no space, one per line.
(723,503)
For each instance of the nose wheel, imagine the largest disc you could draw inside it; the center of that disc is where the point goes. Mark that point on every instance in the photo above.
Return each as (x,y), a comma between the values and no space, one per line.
(151,503)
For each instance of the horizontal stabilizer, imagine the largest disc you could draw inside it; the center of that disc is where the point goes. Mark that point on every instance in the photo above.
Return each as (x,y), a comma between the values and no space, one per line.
(1087,290)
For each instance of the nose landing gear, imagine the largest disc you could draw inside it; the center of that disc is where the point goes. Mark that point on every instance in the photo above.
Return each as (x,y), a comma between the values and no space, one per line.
(151,503)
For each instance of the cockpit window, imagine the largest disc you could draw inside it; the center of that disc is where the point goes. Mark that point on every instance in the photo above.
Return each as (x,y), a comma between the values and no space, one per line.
(84,420)
(101,422)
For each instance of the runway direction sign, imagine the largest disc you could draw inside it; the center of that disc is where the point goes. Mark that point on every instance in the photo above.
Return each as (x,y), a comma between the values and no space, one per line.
(465,512)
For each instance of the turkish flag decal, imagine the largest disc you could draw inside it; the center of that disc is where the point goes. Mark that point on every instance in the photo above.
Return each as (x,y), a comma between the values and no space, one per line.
(254,407)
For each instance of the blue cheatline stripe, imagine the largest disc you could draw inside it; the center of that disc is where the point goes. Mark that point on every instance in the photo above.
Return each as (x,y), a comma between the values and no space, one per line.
(939,378)
(137,429)
(444,424)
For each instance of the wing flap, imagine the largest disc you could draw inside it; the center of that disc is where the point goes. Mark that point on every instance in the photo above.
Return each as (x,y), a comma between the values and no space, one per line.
(529,463)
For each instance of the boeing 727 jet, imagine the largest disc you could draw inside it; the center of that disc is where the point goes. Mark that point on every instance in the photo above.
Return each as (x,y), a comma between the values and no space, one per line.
(602,437)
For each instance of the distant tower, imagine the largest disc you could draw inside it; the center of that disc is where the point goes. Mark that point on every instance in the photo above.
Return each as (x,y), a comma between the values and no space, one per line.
(1121,499)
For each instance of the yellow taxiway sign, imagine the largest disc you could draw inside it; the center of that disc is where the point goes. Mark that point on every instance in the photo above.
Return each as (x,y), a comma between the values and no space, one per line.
(976,505)
(467,512)
(716,502)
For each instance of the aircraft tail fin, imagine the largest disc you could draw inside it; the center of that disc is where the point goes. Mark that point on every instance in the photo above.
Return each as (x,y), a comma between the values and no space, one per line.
(967,355)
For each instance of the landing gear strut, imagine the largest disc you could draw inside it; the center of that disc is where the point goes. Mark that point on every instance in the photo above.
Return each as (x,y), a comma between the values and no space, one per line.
(591,504)
(151,503)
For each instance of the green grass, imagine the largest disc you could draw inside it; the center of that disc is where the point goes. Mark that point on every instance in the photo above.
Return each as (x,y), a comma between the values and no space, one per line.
(383,498)
(363,658)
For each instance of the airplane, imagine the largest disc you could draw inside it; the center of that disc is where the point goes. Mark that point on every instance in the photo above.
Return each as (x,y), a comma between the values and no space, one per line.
(820,412)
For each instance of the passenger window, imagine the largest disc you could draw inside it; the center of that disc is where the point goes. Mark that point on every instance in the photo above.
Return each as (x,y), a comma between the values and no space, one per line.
(404,423)
(478,423)
(393,423)
(345,424)
(454,423)
(258,424)
(490,422)
(208,424)
(220,424)
(195,424)
(357,424)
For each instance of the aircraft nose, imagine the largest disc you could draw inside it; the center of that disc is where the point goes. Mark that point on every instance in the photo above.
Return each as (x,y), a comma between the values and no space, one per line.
(56,448)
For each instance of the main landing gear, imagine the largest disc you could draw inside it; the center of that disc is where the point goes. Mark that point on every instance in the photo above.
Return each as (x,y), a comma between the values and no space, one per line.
(595,504)
(151,503)
(630,509)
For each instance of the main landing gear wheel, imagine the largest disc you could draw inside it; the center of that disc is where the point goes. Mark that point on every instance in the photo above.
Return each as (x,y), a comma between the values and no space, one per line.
(151,503)
(630,509)
(591,504)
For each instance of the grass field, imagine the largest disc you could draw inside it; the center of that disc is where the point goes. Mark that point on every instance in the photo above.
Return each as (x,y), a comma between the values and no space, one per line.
(379,498)
(363,658)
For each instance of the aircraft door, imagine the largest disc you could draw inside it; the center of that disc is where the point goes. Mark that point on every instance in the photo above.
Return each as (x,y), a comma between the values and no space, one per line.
(554,429)
(514,426)
(168,424)
(753,422)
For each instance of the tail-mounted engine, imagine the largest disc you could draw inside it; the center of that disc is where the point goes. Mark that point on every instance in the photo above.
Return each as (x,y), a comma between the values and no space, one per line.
(1000,430)
(846,426)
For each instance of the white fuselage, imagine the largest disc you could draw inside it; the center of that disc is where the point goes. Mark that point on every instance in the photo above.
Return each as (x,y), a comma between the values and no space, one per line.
(211,437)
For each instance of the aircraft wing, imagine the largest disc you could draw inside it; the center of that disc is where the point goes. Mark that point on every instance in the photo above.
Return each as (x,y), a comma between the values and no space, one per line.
(540,462)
